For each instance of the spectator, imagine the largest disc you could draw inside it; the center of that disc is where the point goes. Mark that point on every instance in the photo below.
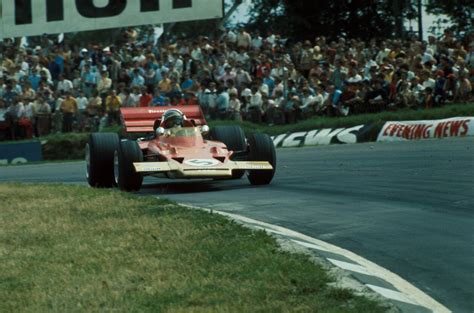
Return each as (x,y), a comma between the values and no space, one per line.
(266,75)
(188,83)
(257,41)
(34,79)
(151,77)
(4,123)
(43,117)
(222,103)
(9,95)
(77,81)
(191,98)
(104,85)
(255,105)
(242,57)
(30,117)
(463,88)
(306,58)
(234,107)
(427,80)
(94,107)
(428,99)
(377,98)
(19,122)
(89,79)
(242,77)
(208,100)
(417,90)
(350,101)
(243,39)
(164,86)
(137,79)
(82,102)
(291,108)
(69,109)
(3,87)
(308,102)
(28,92)
(228,75)
(146,98)
(331,102)
(134,97)
(268,81)
(64,85)
(231,38)
(113,104)
(158,99)
(16,87)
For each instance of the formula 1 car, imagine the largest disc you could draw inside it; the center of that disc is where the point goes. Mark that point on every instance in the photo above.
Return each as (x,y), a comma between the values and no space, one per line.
(185,149)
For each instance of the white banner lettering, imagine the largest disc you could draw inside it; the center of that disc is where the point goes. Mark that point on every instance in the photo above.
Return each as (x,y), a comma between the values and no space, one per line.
(36,17)
(326,136)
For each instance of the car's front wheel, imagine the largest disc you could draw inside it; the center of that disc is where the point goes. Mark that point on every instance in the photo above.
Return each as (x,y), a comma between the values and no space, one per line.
(234,138)
(261,149)
(127,178)
(100,159)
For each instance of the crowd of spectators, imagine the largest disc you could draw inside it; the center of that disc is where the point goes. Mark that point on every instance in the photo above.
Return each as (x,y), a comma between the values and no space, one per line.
(54,87)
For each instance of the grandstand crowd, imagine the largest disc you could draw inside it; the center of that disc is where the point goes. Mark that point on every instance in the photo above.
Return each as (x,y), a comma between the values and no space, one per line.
(50,87)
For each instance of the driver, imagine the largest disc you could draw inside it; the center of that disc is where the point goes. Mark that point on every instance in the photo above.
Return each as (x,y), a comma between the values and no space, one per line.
(172,118)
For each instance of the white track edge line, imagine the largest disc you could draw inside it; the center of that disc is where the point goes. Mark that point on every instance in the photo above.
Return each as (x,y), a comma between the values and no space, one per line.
(392,294)
(356,268)
(399,283)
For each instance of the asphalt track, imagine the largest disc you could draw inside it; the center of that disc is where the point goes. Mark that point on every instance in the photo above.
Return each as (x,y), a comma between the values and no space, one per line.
(408,207)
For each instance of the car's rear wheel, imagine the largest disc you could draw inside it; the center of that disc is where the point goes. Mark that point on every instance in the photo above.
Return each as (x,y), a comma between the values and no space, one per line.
(127,178)
(234,138)
(261,149)
(100,159)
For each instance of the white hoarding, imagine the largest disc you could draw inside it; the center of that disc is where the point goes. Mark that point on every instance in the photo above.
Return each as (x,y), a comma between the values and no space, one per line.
(415,130)
(35,17)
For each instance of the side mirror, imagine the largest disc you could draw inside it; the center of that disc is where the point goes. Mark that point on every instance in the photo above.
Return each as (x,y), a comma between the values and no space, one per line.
(205,129)
(160,131)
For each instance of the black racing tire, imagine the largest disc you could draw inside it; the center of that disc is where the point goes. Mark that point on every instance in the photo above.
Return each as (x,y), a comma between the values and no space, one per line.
(234,138)
(261,149)
(100,152)
(127,178)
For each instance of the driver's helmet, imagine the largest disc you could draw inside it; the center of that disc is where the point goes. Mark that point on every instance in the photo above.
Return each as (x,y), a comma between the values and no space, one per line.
(172,118)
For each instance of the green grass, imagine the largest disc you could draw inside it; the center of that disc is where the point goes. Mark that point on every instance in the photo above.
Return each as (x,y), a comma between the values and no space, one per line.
(354,120)
(76,249)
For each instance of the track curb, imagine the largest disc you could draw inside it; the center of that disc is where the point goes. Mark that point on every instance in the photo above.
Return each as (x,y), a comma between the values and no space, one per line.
(391,287)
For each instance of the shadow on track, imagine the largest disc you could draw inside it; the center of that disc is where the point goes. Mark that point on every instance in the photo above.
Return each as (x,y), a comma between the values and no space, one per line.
(167,187)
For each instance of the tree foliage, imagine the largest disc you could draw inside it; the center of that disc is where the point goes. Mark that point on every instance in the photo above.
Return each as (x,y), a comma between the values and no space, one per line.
(306,19)
(461,12)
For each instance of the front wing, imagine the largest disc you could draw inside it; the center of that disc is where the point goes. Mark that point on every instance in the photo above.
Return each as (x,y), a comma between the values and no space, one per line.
(186,171)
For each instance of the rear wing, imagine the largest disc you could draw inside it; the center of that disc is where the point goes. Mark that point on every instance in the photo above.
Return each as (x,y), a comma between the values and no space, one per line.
(142,120)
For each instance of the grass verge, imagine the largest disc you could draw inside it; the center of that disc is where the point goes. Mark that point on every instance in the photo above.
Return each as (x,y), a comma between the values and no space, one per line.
(67,249)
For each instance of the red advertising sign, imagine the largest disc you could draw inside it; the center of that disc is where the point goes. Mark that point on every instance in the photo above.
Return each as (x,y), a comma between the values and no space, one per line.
(414,130)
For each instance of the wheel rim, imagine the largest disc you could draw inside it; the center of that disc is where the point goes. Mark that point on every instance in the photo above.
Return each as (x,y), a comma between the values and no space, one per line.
(116,167)
(88,161)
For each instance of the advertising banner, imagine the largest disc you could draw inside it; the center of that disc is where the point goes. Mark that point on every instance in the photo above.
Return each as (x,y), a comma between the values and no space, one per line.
(21,152)
(415,130)
(327,136)
(29,18)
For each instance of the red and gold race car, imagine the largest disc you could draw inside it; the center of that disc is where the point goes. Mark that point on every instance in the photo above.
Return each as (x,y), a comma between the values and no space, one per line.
(176,143)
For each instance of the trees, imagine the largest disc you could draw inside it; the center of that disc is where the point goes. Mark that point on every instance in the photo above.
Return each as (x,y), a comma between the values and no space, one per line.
(461,12)
(306,19)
